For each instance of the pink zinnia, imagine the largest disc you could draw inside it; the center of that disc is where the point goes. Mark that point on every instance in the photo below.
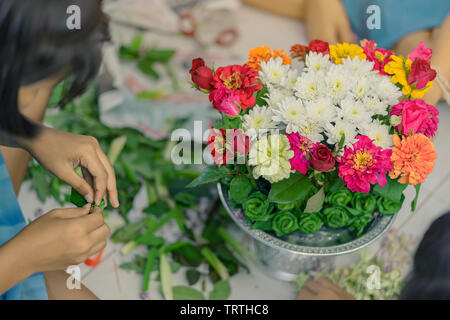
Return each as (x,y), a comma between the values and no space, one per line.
(364,164)
(380,57)
(417,116)
(421,52)
(226,100)
(301,146)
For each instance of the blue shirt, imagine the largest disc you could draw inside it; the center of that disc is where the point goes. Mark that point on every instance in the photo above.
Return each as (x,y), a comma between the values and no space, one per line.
(11,222)
(397,18)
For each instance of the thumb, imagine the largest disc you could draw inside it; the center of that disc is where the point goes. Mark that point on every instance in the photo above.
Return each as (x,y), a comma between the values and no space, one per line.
(80,185)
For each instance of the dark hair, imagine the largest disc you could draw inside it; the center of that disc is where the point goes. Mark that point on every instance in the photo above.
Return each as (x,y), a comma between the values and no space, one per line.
(36,43)
(430,276)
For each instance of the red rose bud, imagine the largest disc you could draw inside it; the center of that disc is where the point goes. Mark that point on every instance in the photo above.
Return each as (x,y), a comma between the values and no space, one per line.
(421,72)
(201,74)
(319,46)
(322,159)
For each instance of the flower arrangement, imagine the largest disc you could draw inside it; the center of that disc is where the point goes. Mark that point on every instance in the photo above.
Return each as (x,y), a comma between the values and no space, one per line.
(329,136)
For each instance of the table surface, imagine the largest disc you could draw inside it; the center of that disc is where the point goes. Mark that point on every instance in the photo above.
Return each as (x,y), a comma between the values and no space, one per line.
(257,28)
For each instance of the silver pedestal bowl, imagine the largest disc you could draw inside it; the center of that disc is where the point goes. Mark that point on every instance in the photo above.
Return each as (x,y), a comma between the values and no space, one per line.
(284,258)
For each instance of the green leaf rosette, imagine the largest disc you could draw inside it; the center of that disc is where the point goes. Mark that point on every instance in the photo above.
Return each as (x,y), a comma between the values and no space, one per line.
(336,217)
(340,197)
(257,207)
(309,223)
(284,222)
(359,224)
(285,206)
(387,207)
(364,202)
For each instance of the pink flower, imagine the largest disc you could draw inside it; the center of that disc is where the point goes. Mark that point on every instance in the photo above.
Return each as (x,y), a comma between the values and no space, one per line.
(226,100)
(380,57)
(364,164)
(217,146)
(421,52)
(417,116)
(421,72)
(301,146)
(238,141)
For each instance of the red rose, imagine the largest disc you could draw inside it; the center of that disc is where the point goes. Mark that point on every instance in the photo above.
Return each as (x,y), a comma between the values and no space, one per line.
(319,46)
(201,74)
(322,159)
(421,72)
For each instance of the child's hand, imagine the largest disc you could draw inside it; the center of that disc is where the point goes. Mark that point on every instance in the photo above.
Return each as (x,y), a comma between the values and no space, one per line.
(327,20)
(60,152)
(60,238)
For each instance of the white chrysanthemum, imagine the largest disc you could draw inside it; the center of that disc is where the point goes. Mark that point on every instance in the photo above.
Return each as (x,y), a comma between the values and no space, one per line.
(309,86)
(311,129)
(361,88)
(357,67)
(379,133)
(335,132)
(258,120)
(338,83)
(386,90)
(275,95)
(290,79)
(322,109)
(273,71)
(317,62)
(290,112)
(270,156)
(375,105)
(395,120)
(354,111)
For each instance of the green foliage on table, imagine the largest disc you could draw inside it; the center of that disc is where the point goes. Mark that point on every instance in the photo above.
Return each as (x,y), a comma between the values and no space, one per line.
(140,162)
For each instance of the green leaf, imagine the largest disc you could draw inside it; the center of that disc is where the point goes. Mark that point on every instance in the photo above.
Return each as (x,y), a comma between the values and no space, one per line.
(315,203)
(240,187)
(393,190)
(77,199)
(221,290)
(296,188)
(158,55)
(260,95)
(215,263)
(211,174)
(188,255)
(126,53)
(136,42)
(151,256)
(186,293)
(147,67)
(262,225)
(341,142)
(128,232)
(192,276)
(166,277)
(414,202)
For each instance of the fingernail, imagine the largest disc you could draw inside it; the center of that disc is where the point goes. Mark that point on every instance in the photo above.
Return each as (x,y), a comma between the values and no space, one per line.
(89,198)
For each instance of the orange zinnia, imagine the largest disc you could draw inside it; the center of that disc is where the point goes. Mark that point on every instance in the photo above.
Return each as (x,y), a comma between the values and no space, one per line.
(258,54)
(412,158)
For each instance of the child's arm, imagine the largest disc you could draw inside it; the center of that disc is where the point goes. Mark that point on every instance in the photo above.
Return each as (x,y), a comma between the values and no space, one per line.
(56,282)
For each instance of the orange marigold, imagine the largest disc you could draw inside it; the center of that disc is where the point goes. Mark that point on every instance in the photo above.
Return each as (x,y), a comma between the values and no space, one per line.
(258,54)
(412,158)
